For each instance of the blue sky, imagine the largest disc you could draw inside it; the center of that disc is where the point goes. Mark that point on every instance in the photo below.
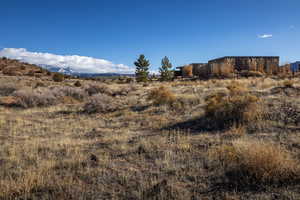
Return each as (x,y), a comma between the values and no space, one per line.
(184,30)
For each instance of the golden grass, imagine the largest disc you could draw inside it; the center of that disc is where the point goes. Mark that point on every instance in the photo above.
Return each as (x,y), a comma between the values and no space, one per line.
(161,96)
(236,109)
(257,161)
(59,152)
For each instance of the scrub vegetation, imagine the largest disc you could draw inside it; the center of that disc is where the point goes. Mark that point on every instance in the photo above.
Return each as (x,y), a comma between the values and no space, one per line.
(181,139)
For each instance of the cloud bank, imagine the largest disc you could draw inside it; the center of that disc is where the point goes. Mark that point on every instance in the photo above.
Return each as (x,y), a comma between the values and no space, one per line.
(80,64)
(265,36)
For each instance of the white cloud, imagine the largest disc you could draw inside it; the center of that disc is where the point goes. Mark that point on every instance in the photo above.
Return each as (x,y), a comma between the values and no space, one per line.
(265,36)
(77,63)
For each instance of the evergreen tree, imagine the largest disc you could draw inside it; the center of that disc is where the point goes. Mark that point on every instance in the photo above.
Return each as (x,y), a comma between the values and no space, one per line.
(142,69)
(166,73)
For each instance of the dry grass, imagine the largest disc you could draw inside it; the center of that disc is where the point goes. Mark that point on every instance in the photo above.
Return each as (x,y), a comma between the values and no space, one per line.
(288,83)
(161,96)
(235,109)
(28,98)
(248,161)
(100,103)
(126,148)
(93,89)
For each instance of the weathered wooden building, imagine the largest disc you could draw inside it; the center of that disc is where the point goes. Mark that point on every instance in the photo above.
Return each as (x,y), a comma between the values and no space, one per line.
(233,65)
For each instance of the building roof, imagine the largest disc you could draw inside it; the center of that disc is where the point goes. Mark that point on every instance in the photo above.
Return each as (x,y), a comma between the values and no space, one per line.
(225,57)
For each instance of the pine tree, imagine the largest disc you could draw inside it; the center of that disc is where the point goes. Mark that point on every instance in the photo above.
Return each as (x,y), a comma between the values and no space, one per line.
(142,69)
(166,73)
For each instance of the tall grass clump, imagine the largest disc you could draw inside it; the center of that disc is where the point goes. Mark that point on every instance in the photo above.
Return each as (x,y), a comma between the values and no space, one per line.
(237,108)
(253,162)
(161,96)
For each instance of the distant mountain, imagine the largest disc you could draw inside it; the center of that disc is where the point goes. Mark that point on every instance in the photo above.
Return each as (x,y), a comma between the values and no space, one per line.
(89,75)
(63,70)
(69,71)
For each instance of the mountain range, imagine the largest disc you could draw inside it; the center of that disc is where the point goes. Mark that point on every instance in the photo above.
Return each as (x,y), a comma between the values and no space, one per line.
(70,71)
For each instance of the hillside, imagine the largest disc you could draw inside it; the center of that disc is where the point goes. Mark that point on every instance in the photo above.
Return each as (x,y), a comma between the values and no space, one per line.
(16,68)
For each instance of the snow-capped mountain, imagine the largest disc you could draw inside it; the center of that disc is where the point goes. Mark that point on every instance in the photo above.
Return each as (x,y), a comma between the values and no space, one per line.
(70,71)
(64,70)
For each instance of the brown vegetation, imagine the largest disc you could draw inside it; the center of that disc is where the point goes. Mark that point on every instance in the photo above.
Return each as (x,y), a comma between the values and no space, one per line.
(252,162)
(161,96)
(57,77)
(237,108)
(100,103)
(130,141)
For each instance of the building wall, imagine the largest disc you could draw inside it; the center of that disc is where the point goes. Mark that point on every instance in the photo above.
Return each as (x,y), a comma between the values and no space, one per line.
(285,69)
(197,68)
(295,67)
(222,67)
(230,65)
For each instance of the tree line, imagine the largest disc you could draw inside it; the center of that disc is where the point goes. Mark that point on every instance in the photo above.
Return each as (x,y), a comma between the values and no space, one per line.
(142,69)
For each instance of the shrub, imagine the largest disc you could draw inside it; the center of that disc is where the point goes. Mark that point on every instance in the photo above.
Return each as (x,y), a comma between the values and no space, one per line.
(28,98)
(98,88)
(58,77)
(30,73)
(225,111)
(77,84)
(129,80)
(39,84)
(249,161)
(7,89)
(288,83)
(123,91)
(236,88)
(286,112)
(100,103)
(161,96)
(76,93)
(11,71)
(8,101)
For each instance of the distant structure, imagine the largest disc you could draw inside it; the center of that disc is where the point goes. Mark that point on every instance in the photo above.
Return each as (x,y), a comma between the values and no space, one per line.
(295,67)
(233,65)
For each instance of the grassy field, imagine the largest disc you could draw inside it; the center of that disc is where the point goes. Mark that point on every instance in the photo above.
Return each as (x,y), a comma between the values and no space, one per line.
(215,139)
